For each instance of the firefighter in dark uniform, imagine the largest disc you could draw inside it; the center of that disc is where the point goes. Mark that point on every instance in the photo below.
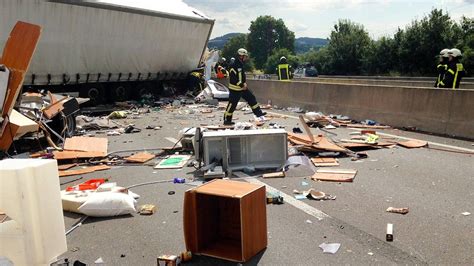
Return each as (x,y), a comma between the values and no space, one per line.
(442,67)
(455,72)
(238,88)
(196,81)
(284,70)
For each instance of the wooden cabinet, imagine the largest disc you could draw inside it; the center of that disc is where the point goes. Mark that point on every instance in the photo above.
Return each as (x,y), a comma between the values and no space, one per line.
(226,219)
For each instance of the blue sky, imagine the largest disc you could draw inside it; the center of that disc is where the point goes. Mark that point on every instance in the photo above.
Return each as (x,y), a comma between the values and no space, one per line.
(316,18)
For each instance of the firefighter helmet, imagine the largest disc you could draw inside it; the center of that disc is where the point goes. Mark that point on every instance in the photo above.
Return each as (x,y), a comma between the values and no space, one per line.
(444,52)
(455,52)
(242,51)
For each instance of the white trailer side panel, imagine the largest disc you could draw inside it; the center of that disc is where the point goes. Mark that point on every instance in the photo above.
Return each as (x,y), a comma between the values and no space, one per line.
(86,39)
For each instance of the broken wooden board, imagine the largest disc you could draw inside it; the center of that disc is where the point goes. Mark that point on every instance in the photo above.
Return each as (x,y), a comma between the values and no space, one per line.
(17,54)
(335,175)
(53,109)
(321,143)
(87,144)
(83,171)
(141,157)
(321,162)
(306,128)
(274,175)
(17,126)
(66,166)
(413,143)
(173,162)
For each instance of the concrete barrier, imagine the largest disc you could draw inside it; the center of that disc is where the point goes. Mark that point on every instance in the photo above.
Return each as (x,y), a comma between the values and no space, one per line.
(447,112)
(390,82)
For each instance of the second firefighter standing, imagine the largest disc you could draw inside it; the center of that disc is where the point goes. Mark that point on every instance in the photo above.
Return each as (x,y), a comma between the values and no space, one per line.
(238,88)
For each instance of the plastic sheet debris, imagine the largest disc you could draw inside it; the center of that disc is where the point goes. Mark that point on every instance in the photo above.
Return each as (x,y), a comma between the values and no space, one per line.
(308,221)
(331,248)
(297,161)
(244,126)
(397,210)
(99,261)
(117,115)
(466,213)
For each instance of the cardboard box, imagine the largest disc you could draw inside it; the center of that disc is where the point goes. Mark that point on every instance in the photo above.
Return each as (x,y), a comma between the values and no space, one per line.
(226,219)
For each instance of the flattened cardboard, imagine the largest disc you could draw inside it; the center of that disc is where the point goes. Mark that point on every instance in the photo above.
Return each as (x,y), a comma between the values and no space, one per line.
(87,144)
(413,143)
(83,171)
(70,155)
(335,175)
(141,157)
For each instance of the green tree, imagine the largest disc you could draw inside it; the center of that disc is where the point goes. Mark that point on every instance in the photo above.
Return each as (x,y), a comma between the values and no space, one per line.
(421,42)
(381,57)
(267,34)
(348,46)
(274,59)
(319,58)
(230,49)
(466,43)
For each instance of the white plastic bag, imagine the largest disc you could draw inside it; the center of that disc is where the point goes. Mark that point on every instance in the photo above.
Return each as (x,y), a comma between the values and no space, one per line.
(106,204)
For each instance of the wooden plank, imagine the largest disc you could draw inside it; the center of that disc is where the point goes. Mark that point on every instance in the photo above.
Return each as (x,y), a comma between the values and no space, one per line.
(413,143)
(306,128)
(365,126)
(321,162)
(141,157)
(274,175)
(335,175)
(83,171)
(87,144)
(17,54)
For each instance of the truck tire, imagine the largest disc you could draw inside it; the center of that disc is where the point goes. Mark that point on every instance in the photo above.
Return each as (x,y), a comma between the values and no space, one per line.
(143,88)
(94,91)
(120,92)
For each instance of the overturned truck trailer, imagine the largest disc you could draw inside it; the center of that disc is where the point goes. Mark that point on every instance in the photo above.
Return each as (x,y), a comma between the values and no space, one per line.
(109,49)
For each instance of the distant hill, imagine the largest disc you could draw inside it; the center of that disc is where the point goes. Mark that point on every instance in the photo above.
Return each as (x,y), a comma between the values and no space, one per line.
(219,42)
(302,44)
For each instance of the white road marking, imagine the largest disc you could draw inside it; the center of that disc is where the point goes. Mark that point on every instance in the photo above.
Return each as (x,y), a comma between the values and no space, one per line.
(395,136)
(291,200)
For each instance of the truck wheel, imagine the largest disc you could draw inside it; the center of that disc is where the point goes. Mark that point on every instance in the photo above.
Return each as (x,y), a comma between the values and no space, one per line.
(93,91)
(143,89)
(120,92)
